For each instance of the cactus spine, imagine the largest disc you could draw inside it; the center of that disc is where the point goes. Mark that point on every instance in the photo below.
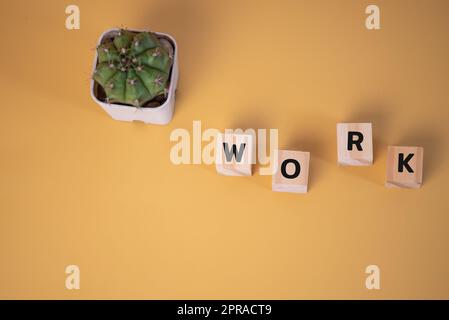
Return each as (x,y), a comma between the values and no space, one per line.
(133,68)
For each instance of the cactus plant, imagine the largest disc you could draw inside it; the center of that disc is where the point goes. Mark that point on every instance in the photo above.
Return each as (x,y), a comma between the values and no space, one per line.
(133,68)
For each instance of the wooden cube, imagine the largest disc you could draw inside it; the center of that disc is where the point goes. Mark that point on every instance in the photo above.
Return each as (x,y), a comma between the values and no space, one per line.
(404,167)
(292,173)
(234,154)
(355,144)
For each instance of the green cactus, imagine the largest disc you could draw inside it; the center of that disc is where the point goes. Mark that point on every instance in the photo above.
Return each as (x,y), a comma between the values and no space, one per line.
(133,68)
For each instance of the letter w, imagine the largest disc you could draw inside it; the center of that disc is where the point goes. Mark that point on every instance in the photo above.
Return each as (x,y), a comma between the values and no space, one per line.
(238,154)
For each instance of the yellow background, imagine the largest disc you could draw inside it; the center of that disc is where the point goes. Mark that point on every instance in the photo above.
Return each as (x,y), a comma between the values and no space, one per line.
(77,187)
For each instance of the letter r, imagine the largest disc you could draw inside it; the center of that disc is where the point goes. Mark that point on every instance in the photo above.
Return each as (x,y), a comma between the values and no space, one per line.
(352,141)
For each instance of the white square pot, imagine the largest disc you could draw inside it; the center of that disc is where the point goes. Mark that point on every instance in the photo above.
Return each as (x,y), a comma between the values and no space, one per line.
(159,115)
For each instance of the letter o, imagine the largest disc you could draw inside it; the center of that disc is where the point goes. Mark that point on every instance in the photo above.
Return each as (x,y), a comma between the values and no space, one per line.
(284,168)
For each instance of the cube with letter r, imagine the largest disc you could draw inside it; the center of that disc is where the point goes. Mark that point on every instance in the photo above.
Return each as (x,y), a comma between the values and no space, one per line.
(355,144)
